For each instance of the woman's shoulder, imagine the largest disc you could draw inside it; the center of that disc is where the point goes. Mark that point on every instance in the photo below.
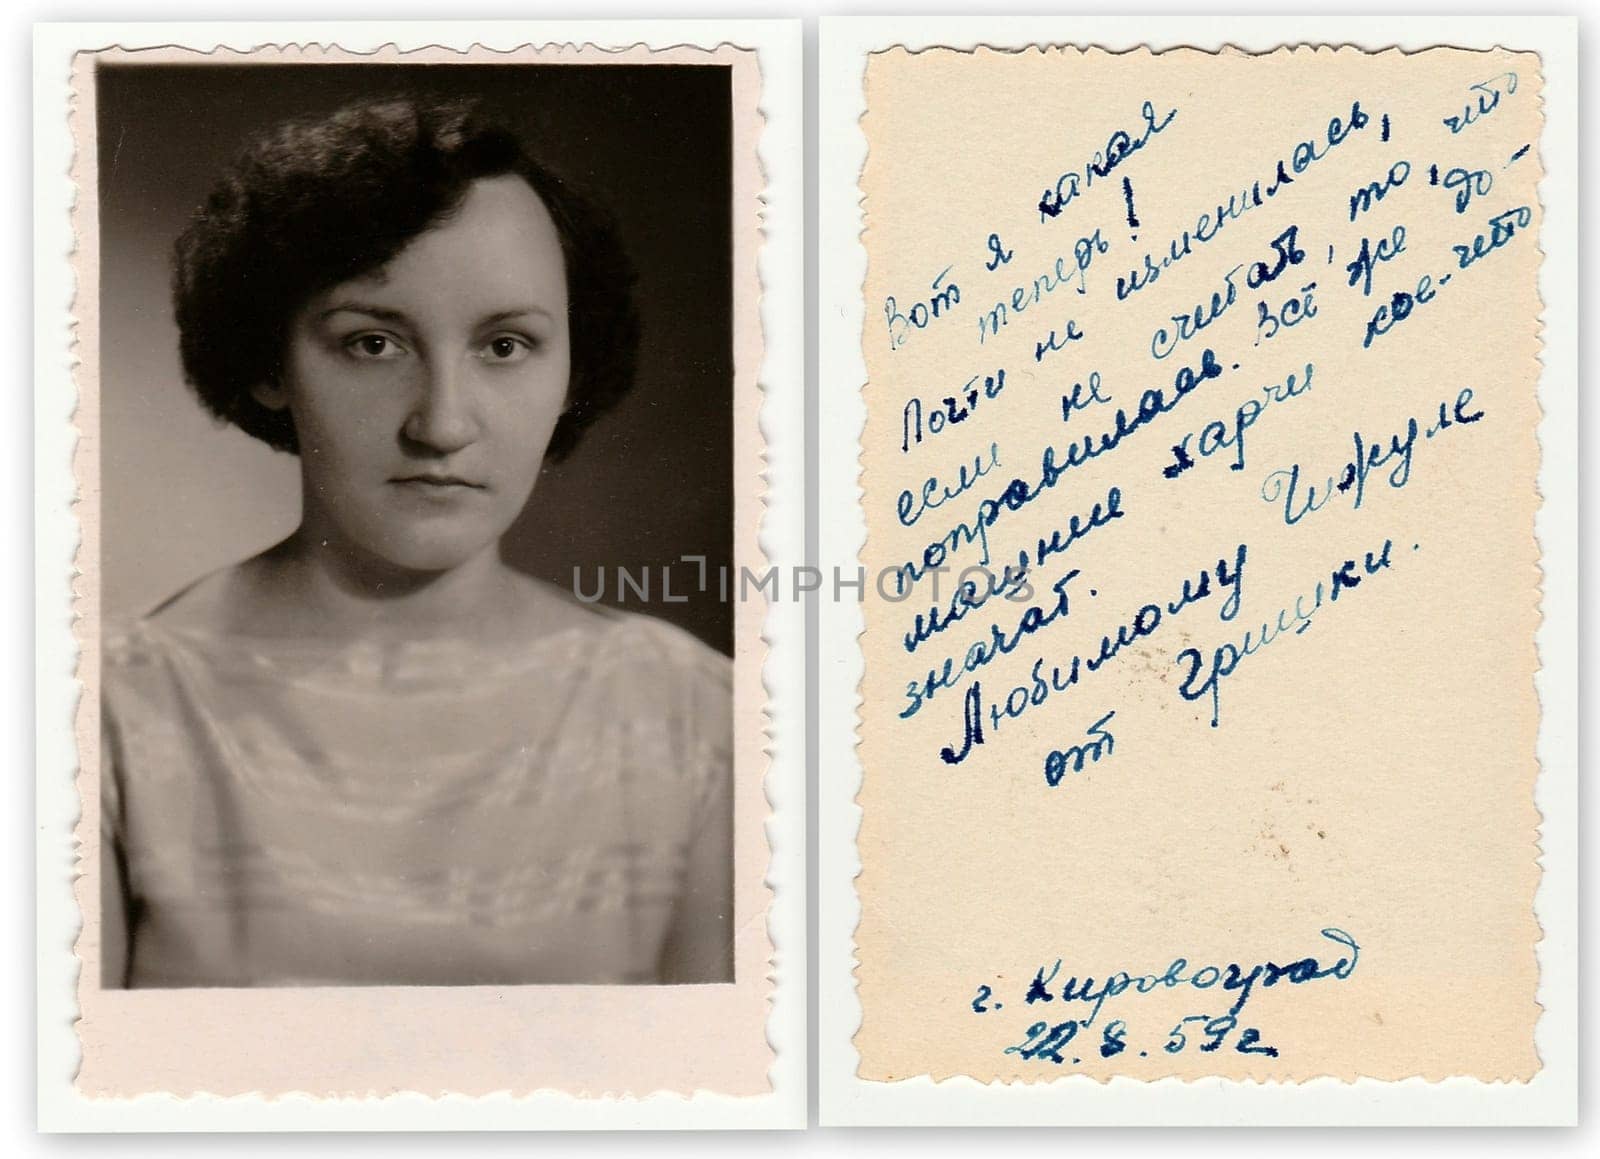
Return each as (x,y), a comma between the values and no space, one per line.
(664,650)
(639,676)
(204,604)
(199,607)
(141,670)
(644,666)
(661,681)
(623,637)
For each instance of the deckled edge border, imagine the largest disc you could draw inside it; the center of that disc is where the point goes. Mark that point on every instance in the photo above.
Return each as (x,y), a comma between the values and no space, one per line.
(755,404)
(841,1010)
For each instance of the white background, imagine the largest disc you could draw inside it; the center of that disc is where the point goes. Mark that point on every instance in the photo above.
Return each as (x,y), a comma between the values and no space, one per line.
(17,1055)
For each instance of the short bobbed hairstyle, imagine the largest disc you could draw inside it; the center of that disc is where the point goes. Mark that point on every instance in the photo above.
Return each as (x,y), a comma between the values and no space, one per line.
(319,201)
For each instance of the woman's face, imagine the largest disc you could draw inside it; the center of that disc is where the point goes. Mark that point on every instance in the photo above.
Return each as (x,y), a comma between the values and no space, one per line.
(424,394)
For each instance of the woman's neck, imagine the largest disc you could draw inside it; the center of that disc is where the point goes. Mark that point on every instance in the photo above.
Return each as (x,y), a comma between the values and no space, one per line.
(308,585)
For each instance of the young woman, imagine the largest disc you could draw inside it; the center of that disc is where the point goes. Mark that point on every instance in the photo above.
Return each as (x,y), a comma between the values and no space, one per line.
(374,754)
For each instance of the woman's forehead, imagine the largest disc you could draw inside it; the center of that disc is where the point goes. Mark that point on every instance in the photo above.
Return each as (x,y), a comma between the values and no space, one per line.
(498,249)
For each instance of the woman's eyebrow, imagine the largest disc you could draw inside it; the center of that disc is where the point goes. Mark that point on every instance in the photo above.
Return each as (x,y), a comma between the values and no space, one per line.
(518,312)
(386,314)
(382,313)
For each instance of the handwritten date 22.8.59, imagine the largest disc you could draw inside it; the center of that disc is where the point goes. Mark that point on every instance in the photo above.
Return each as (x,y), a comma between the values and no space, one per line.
(1045,1042)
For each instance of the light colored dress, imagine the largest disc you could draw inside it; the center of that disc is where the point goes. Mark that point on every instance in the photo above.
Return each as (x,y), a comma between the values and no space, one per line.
(291,813)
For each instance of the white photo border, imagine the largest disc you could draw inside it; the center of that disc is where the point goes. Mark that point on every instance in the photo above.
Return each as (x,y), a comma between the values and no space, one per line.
(1551,1098)
(781,267)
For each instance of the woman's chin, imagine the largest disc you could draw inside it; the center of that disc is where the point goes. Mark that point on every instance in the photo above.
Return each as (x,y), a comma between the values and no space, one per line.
(430,555)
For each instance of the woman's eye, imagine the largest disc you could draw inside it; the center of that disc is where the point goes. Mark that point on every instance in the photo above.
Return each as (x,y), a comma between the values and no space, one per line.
(507,348)
(374,346)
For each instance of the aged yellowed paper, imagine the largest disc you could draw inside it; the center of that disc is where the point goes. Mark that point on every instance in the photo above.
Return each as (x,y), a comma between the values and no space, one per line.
(1198,724)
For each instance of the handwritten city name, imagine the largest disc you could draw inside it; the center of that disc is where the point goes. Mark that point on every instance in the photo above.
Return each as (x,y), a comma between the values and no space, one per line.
(1053,1041)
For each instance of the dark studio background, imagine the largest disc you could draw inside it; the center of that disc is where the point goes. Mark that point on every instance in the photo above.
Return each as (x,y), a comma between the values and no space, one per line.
(653,479)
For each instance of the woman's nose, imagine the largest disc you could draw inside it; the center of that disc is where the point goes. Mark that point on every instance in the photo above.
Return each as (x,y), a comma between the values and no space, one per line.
(442,419)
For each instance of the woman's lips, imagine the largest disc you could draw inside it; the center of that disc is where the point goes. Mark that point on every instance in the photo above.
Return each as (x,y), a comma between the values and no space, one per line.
(437,484)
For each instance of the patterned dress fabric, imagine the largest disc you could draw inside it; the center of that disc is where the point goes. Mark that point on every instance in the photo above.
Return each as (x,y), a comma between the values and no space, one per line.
(301,813)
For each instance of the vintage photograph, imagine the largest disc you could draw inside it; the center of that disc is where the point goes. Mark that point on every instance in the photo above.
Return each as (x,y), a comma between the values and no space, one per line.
(1205,803)
(375,734)
(422,728)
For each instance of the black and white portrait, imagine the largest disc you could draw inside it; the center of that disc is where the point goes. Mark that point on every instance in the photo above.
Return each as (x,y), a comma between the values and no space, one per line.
(391,355)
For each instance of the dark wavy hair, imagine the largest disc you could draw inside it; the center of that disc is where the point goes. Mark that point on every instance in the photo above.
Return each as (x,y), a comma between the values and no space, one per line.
(319,201)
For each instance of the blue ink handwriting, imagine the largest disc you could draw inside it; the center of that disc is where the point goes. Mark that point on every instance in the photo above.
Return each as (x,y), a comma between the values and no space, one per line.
(922,314)
(1226,658)
(1214,436)
(1153,403)
(955,409)
(1284,485)
(1021,297)
(1484,100)
(1098,740)
(1234,978)
(1070,334)
(1034,619)
(1286,248)
(998,254)
(1361,200)
(1013,582)
(910,509)
(1295,310)
(1119,147)
(1288,253)
(1361,267)
(1302,157)
(1163,342)
(1466,184)
(1077,401)
(1145,622)
(1502,228)
(969,597)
